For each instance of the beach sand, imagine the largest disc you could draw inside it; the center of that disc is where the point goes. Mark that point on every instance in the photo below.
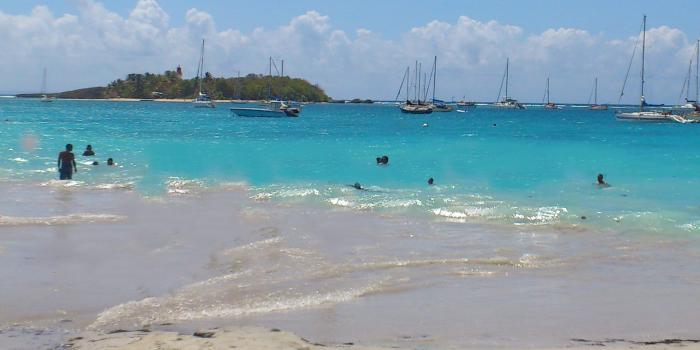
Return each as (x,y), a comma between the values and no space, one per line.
(87,262)
(269,339)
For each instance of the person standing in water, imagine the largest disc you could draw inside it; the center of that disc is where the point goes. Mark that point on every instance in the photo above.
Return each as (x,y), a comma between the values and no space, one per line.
(601,181)
(66,163)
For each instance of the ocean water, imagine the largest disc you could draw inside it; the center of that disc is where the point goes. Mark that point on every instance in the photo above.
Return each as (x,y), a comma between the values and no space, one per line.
(210,220)
(530,167)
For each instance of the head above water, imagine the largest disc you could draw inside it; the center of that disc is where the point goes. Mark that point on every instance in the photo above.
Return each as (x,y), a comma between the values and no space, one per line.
(89,147)
(357,185)
(110,161)
(600,179)
(69,147)
(430,181)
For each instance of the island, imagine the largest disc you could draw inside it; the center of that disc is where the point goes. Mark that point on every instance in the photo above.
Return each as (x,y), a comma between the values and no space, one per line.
(171,85)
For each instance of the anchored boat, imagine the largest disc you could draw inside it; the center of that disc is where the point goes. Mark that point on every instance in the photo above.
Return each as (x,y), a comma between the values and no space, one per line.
(271,109)
(202,100)
(507,102)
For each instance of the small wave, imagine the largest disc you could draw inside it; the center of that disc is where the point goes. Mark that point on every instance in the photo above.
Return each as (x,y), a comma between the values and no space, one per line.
(115,186)
(19,160)
(178,186)
(340,202)
(287,193)
(62,183)
(41,171)
(59,220)
(181,307)
(449,214)
(544,215)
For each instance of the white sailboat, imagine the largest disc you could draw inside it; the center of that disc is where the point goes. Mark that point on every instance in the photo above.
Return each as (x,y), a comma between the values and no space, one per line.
(692,104)
(507,102)
(549,105)
(595,106)
(416,106)
(645,115)
(202,100)
(438,105)
(44,97)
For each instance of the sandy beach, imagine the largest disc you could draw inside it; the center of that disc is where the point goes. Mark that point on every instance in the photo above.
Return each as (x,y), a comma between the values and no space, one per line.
(88,262)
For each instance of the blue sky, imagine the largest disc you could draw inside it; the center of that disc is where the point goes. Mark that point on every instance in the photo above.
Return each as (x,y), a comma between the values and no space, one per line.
(358,48)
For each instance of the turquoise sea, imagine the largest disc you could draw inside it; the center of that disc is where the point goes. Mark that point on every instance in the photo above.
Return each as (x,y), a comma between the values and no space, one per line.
(530,167)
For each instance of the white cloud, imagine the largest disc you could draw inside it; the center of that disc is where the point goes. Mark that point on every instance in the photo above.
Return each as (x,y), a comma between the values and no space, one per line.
(97,45)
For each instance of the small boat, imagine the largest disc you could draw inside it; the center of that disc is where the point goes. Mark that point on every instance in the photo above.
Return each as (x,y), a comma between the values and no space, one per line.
(549,105)
(692,105)
(595,106)
(44,97)
(441,106)
(271,109)
(642,115)
(202,100)
(507,102)
(466,104)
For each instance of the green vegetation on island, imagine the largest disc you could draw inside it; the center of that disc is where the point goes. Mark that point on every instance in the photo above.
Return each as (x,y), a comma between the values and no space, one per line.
(171,85)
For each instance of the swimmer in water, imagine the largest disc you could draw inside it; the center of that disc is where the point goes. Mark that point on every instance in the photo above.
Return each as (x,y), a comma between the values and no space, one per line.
(110,162)
(88,151)
(601,181)
(358,186)
(430,181)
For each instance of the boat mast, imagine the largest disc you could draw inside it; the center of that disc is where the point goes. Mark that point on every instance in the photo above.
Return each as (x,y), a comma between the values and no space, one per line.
(269,84)
(697,71)
(507,63)
(435,76)
(43,83)
(415,82)
(200,69)
(595,92)
(547,90)
(644,36)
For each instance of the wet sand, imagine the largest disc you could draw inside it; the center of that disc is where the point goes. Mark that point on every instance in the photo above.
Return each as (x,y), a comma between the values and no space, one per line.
(98,261)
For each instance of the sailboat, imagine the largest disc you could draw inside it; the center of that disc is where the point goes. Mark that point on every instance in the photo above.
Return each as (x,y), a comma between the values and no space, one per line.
(44,97)
(549,105)
(415,106)
(643,115)
(270,109)
(438,105)
(595,106)
(507,102)
(202,100)
(692,104)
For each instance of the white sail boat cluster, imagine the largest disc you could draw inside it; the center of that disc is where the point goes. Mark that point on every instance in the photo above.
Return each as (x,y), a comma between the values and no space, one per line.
(202,100)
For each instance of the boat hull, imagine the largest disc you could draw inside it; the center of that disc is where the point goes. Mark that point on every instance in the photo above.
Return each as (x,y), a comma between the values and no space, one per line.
(599,108)
(416,109)
(203,104)
(262,113)
(645,117)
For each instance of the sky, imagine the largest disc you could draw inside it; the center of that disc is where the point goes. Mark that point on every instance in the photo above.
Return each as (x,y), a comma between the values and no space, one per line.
(359,48)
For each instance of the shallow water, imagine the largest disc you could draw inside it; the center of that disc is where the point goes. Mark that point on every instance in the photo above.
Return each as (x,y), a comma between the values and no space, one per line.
(533,167)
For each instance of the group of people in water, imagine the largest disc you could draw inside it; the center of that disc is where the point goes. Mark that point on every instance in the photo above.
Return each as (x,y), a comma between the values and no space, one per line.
(66,161)
(384,160)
